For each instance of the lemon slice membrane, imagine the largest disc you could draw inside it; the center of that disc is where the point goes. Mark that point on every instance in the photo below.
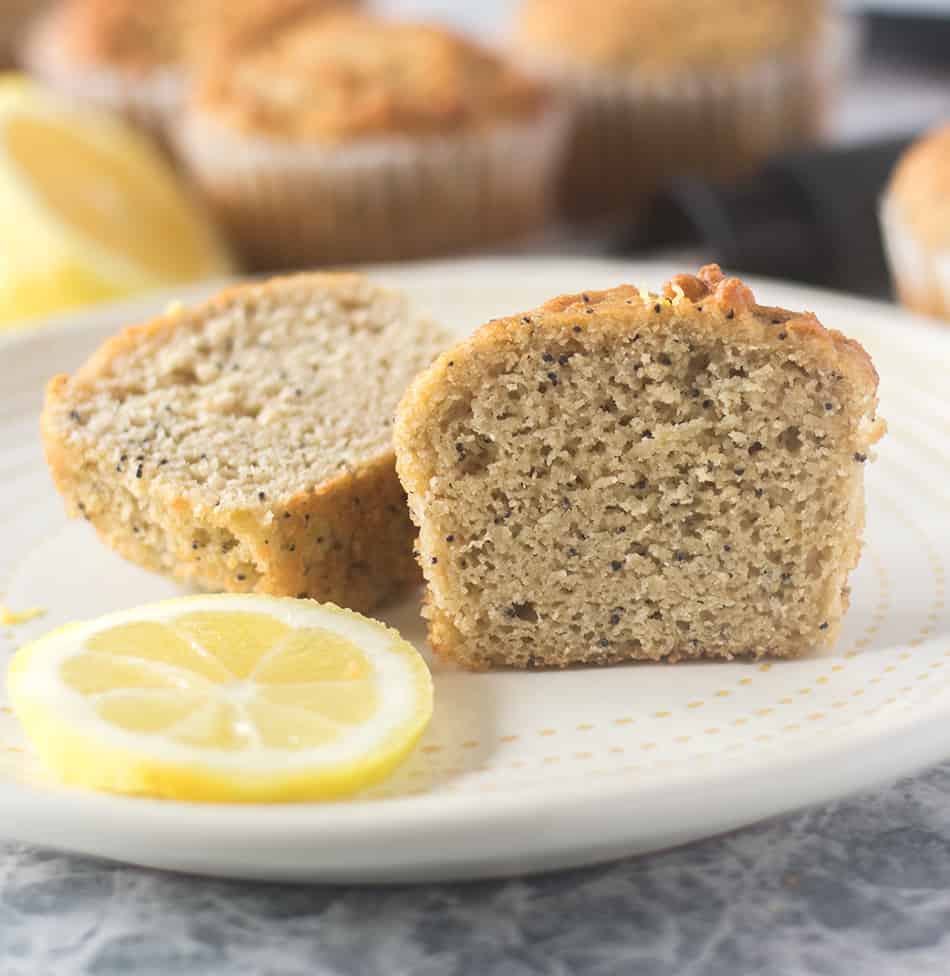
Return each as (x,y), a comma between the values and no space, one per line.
(227,698)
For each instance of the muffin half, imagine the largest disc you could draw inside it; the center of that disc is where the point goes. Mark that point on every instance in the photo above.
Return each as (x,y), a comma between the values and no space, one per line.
(245,444)
(626,476)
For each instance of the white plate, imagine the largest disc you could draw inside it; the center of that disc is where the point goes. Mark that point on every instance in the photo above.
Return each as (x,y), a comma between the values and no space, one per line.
(526,772)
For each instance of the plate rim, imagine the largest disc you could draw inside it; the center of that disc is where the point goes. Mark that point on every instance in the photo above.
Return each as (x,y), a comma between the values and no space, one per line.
(212,840)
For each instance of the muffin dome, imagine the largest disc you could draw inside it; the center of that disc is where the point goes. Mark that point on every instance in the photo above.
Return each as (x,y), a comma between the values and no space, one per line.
(915,224)
(658,38)
(135,37)
(663,89)
(137,57)
(345,76)
(128,36)
(920,189)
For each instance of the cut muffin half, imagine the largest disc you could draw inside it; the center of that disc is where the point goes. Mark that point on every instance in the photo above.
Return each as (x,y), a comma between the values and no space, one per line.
(620,475)
(245,444)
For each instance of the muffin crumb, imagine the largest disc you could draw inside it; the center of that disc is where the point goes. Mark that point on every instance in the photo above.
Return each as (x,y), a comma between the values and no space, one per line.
(700,523)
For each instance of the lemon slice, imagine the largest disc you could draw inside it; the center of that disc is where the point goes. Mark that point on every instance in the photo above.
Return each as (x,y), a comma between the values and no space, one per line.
(223,698)
(91,209)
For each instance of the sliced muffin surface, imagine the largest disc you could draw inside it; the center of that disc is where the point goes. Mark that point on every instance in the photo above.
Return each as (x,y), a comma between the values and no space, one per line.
(620,476)
(245,444)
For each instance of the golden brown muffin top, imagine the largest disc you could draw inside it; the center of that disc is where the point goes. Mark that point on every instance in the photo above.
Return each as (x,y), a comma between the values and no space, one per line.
(719,305)
(347,76)
(920,188)
(729,306)
(659,38)
(138,36)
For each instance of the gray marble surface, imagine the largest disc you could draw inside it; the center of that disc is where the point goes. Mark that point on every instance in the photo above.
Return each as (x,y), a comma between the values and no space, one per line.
(859,888)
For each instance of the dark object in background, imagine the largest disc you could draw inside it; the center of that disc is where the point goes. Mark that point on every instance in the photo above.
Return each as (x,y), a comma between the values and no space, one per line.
(810,217)
(915,38)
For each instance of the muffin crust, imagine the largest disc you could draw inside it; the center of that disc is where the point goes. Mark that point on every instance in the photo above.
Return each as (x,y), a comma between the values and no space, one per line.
(345,77)
(140,36)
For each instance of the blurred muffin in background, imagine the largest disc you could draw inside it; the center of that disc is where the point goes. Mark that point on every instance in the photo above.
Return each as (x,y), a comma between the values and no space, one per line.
(915,223)
(136,56)
(663,87)
(13,15)
(350,138)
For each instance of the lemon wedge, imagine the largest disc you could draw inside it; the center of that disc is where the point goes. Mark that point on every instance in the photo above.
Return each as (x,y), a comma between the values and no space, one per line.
(91,209)
(234,698)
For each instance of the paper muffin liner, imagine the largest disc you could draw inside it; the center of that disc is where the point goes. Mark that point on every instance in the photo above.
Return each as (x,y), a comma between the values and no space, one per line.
(921,276)
(151,101)
(290,204)
(631,136)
